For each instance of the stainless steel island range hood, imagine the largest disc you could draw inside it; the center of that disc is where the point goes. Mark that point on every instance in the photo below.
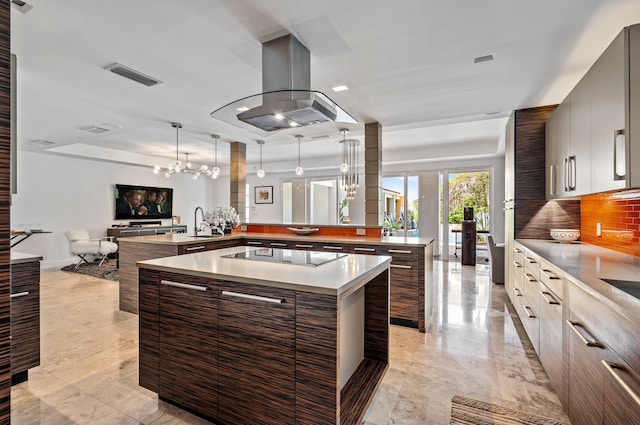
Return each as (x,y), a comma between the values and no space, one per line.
(287,100)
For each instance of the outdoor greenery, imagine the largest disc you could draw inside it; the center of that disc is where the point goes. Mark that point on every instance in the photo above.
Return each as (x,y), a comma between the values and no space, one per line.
(469,190)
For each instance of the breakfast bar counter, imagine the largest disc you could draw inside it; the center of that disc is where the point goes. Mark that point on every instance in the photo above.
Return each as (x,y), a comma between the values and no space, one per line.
(240,340)
(411,275)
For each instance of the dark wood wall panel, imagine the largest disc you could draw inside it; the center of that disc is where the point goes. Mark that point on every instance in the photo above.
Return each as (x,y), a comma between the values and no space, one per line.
(5,204)
(149,330)
(130,253)
(376,336)
(534,215)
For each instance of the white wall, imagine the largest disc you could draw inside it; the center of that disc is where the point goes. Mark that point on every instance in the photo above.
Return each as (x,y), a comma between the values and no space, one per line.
(62,193)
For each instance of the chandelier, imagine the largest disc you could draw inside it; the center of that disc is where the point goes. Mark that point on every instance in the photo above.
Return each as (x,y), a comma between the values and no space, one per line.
(176,166)
(349,180)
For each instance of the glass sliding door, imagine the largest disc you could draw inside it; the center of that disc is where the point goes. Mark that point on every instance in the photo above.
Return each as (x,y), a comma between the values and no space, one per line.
(467,188)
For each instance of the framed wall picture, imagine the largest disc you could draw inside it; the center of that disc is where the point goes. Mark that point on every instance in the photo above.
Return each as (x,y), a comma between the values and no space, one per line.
(264,195)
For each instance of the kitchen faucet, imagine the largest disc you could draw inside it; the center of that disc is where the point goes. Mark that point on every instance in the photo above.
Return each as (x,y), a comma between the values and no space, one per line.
(195,220)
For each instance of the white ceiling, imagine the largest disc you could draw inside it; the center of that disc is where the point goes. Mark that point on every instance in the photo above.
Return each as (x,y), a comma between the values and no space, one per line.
(408,65)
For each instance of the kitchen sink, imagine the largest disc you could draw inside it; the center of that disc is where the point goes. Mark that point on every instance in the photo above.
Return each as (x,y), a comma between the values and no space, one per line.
(631,287)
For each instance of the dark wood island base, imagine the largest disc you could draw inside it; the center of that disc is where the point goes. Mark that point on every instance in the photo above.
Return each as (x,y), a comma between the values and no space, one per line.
(244,353)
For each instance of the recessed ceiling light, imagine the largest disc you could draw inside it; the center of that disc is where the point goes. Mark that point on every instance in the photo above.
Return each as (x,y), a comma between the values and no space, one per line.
(340,88)
(486,58)
(242,109)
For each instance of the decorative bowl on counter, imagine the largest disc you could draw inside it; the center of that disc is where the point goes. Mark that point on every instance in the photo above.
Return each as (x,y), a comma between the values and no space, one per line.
(302,231)
(565,235)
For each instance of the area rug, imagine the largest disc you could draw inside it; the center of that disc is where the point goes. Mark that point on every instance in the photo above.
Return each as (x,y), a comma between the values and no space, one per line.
(466,411)
(107,270)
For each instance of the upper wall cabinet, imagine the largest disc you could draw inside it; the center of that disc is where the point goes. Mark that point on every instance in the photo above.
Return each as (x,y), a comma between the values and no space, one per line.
(593,137)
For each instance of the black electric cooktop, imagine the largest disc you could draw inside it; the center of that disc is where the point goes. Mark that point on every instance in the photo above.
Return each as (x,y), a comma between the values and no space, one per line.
(287,256)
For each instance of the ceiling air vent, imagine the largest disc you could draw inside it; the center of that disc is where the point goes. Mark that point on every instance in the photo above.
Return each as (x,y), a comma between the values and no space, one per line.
(39,142)
(132,74)
(100,128)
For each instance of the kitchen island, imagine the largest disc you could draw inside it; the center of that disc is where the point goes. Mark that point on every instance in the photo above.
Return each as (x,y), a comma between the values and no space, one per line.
(300,339)
(411,268)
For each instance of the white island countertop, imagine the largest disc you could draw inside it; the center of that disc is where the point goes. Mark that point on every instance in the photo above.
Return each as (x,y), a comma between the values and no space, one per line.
(336,277)
(588,264)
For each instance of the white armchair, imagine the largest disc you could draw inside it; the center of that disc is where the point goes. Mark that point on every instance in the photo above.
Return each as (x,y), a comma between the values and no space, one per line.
(81,244)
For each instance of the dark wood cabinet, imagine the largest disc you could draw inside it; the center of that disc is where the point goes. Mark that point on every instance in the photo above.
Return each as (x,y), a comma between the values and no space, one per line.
(188,331)
(25,318)
(257,352)
(407,276)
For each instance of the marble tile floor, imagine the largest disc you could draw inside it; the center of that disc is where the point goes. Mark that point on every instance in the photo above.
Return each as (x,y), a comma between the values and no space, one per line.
(89,363)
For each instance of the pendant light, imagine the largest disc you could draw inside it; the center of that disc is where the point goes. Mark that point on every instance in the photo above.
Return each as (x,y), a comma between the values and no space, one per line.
(260,172)
(176,166)
(299,170)
(215,171)
(349,180)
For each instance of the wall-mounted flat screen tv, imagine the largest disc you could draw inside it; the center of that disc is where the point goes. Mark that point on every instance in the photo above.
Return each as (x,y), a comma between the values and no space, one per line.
(143,202)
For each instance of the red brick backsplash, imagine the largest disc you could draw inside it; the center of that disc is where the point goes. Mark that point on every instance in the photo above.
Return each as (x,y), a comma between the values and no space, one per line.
(619,215)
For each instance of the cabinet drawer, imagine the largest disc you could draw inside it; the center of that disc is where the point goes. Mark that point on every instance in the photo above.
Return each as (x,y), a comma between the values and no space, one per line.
(305,246)
(552,278)
(256,345)
(518,253)
(530,288)
(530,321)
(531,263)
(279,244)
(403,292)
(617,331)
(368,250)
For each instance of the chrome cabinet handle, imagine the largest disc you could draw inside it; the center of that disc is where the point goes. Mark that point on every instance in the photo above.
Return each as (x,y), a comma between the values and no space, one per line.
(195,248)
(398,266)
(552,180)
(619,155)
(530,260)
(365,249)
(19,294)
(398,251)
(591,342)
(518,265)
(566,174)
(277,244)
(573,166)
(611,367)
(550,299)
(531,277)
(252,297)
(183,285)
(333,247)
(254,243)
(517,292)
(549,274)
(530,312)
(300,245)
